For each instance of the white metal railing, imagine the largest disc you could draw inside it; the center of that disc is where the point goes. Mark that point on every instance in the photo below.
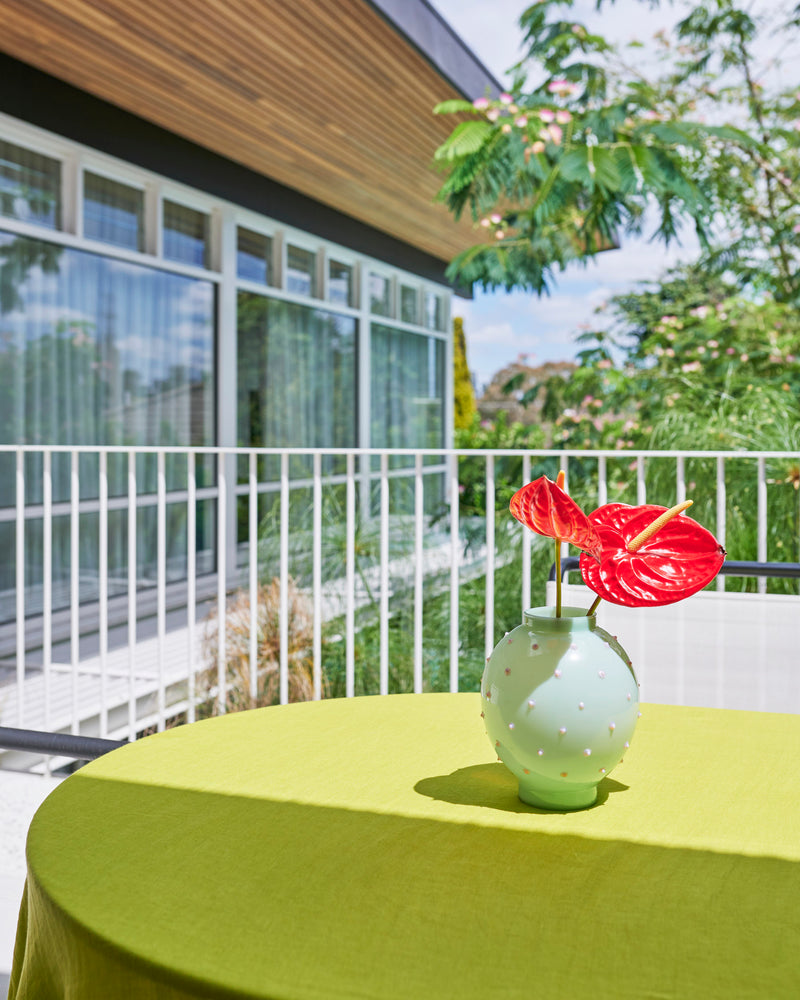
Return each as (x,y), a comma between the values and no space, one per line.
(143,669)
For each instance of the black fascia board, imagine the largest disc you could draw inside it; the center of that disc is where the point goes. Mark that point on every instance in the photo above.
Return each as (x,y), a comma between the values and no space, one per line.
(427,31)
(40,99)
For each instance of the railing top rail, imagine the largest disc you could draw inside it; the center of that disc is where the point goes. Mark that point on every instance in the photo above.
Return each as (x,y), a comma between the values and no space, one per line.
(410,452)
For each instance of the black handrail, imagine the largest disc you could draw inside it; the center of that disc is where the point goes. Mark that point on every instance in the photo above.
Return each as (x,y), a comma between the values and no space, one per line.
(729,568)
(56,744)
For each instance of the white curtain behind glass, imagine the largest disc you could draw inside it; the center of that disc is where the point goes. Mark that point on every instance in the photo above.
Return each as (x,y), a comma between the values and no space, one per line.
(296,375)
(407,389)
(97,351)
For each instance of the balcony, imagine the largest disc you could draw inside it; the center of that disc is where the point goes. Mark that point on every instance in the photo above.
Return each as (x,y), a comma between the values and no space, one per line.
(343,572)
(256,576)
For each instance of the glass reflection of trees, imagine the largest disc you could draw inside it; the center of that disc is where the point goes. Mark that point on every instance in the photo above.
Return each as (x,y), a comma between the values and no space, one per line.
(97,351)
(407,390)
(296,379)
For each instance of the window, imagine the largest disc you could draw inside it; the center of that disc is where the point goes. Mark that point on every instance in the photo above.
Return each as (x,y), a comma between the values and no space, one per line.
(296,375)
(185,234)
(380,295)
(254,256)
(409,304)
(407,382)
(102,351)
(301,271)
(340,283)
(113,212)
(434,311)
(30,186)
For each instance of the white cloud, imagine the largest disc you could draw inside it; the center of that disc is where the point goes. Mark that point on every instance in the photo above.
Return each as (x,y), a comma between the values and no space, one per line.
(495,334)
(463,308)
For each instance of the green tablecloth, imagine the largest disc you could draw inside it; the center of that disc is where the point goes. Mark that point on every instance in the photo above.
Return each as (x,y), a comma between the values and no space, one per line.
(374,848)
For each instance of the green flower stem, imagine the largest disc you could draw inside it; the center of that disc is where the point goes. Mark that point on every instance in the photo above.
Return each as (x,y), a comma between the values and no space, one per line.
(558,578)
(595,603)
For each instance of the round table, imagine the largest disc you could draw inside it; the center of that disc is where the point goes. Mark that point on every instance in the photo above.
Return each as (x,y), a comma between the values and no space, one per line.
(374,848)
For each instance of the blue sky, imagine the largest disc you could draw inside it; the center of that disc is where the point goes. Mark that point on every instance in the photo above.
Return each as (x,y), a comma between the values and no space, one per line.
(501,326)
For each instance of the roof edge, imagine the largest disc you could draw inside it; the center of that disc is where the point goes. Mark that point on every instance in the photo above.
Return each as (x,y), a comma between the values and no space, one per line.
(47,102)
(437,42)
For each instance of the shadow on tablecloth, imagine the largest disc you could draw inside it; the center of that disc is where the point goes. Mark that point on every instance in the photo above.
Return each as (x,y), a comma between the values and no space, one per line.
(493,786)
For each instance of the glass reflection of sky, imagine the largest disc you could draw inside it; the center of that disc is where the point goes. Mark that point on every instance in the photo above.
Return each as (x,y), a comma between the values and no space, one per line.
(136,338)
(112,212)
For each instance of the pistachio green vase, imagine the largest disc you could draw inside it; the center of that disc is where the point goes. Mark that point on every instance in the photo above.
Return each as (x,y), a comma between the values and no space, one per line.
(560,702)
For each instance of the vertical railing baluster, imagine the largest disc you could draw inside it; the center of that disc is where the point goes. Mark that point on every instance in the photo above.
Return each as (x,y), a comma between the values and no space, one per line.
(602,481)
(191,579)
(488,637)
(74,588)
(526,543)
(564,466)
(103,586)
(350,578)
(132,611)
(455,552)
(680,479)
(384,575)
(283,607)
(762,520)
(252,549)
(47,587)
(20,583)
(722,507)
(317,575)
(161,580)
(419,509)
(641,483)
(222,590)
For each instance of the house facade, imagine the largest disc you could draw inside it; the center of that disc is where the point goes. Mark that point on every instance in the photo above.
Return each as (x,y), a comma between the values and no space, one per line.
(217,227)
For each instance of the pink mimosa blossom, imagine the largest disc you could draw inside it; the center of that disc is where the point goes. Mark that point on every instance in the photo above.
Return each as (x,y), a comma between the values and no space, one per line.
(562,87)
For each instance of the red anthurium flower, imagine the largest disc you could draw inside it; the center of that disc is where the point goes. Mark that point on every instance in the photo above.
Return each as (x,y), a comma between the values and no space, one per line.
(638,568)
(546,509)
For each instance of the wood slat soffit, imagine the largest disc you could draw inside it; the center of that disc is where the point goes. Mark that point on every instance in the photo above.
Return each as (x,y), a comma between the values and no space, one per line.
(321,95)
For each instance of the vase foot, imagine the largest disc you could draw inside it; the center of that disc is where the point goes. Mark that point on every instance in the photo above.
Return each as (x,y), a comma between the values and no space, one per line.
(568,798)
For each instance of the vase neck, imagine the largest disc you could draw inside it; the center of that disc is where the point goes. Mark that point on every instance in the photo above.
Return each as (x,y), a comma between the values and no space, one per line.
(571,620)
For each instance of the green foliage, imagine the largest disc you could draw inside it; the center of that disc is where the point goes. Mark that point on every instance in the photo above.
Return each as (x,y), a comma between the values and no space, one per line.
(472,471)
(464,394)
(688,364)
(560,168)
